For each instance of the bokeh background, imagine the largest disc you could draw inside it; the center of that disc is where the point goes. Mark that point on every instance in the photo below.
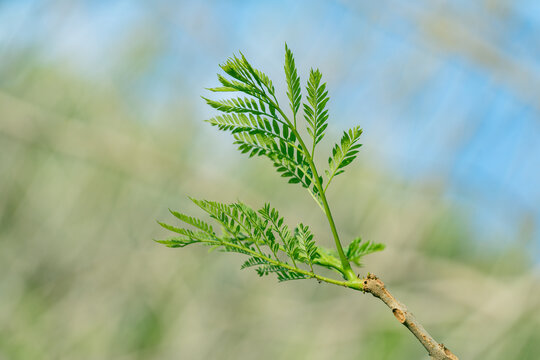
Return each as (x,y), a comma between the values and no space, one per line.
(101,132)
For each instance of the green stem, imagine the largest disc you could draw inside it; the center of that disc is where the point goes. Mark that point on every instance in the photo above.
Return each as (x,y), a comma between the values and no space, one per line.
(348,273)
(355,283)
(350,283)
(330,180)
(316,200)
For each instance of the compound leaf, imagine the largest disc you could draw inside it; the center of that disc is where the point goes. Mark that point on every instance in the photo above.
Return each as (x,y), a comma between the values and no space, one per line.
(315,111)
(293,82)
(344,153)
(358,249)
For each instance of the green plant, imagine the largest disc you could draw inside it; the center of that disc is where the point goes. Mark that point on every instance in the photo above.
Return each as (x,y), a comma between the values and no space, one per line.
(260,127)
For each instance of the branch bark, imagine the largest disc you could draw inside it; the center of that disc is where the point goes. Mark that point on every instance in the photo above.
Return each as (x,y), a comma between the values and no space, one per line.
(436,351)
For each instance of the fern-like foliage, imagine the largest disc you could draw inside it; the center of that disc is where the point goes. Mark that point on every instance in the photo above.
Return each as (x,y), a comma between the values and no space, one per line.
(260,235)
(261,128)
(293,82)
(358,249)
(344,153)
(355,251)
(315,111)
(308,249)
(257,122)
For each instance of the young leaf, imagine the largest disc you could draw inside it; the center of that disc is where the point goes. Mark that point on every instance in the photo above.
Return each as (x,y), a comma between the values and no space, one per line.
(288,275)
(238,105)
(253,261)
(315,111)
(258,124)
(193,221)
(277,223)
(293,82)
(308,250)
(261,128)
(271,131)
(267,269)
(358,249)
(344,153)
(241,70)
(175,229)
(176,242)
(260,77)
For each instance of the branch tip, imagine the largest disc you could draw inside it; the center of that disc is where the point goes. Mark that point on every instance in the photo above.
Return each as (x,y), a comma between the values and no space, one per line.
(373,285)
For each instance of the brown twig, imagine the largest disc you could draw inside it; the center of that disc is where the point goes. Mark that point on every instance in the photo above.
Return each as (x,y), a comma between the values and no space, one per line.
(435,350)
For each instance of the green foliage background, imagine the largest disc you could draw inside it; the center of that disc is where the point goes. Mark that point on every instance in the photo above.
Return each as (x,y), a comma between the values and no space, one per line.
(83,178)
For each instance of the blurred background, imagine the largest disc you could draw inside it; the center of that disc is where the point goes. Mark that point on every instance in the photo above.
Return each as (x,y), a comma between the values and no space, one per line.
(101,131)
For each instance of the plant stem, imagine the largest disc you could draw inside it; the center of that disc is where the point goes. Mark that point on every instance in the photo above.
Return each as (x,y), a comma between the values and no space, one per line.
(355,284)
(348,273)
(436,351)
